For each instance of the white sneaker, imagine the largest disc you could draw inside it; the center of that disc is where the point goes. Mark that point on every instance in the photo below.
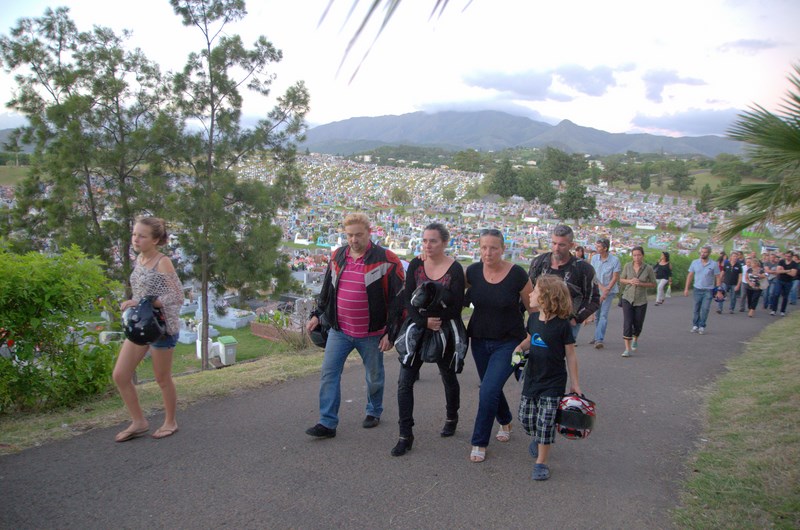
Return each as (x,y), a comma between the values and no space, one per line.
(701,331)
(694,329)
(772,313)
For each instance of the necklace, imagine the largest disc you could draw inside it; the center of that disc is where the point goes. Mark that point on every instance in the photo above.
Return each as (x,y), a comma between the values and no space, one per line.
(143,262)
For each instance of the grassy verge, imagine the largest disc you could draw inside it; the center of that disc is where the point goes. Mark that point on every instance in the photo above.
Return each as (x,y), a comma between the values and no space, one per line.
(747,475)
(11,175)
(265,362)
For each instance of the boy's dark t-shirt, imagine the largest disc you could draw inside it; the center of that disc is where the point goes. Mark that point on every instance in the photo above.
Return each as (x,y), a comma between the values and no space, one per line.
(546,369)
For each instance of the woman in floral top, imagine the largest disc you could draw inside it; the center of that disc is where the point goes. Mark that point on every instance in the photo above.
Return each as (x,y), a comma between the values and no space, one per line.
(153,275)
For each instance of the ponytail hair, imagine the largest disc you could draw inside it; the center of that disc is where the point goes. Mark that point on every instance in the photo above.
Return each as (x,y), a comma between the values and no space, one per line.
(158,228)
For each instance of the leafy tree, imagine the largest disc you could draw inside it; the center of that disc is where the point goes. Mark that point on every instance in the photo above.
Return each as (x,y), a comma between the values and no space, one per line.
(706,197)
(533,185)
(468,160)
(503,180)
(96,114)
(400,195)
(731,168)
(774,145)
(449,193)
(232,241)
(558,165)
(575,203)
(681,180)
(645,182)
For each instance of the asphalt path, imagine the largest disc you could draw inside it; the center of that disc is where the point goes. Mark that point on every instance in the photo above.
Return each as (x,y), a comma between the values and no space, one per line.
(243,461)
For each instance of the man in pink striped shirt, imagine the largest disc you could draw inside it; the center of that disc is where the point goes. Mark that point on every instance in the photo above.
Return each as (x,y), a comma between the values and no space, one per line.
(358,301)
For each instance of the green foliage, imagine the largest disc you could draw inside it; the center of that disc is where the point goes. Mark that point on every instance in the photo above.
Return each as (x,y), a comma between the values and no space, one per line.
(232,241)
(400,195)
(98,121)
(774,141)
(645,182)
(503,180)
(574,202)
(560,166)
(706,196)
(51,361)
(534,185)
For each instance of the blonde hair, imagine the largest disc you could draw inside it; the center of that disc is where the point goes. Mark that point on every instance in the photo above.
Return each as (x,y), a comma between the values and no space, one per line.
(554,297)
(158,228)
(356,219)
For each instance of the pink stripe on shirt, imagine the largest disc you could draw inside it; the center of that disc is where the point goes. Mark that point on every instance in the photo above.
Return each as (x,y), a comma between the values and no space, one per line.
(352,307)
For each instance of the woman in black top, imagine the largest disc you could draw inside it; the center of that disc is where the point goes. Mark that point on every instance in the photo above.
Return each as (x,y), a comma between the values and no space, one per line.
(444,270)
(755,275)
(497,289)
(663,270)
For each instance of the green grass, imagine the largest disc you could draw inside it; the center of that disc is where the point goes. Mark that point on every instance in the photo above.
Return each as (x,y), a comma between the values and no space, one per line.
(10,175)
(185,359)
(747,475)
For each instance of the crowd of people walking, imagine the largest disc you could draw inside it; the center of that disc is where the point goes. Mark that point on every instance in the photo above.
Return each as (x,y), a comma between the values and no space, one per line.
(526,323)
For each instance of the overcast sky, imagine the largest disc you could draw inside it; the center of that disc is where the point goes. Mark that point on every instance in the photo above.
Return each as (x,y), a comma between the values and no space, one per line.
(684,67)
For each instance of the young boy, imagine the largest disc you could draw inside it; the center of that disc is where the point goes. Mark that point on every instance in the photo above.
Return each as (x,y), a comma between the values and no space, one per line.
(552,355)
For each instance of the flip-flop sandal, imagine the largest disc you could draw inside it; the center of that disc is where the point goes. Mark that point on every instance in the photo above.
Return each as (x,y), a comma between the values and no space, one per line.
(477,455)
(503,435)
(163,433)
(130,435)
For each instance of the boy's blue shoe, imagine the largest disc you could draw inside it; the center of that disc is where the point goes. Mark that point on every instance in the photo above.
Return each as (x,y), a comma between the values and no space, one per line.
(540,472)
(533,449)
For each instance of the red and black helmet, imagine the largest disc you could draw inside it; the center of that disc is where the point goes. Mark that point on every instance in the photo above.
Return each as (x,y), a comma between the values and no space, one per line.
(575,416)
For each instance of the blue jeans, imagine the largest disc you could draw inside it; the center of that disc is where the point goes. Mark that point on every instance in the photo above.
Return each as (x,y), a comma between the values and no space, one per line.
(793,293)
(493,361)
(337,349)
(781,290)
(702,303)
(733,294)
(602,318)
(575,330)
(768,293)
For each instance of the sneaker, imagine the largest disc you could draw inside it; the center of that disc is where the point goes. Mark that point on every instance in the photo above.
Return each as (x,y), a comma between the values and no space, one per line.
(540,472)
(592,341)
(320,431)
(694,329)
(634,345)
(701,331)
(626,353)
(741,310)
(783,314)
(598,345)
(370,422)
(732,311)
(719,311)
(772,313)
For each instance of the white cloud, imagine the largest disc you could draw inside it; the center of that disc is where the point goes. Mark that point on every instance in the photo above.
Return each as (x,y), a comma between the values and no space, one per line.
(599,64)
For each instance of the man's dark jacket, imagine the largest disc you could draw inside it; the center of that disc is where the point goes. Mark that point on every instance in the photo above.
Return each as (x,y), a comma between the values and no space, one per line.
(383,276)
(579,277)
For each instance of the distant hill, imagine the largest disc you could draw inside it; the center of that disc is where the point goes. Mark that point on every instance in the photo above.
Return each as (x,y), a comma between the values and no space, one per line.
(495,131)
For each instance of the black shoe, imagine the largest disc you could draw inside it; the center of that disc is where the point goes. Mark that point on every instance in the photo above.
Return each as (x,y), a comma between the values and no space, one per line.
(370,422)
(320,431)
(403,446)
(449,428)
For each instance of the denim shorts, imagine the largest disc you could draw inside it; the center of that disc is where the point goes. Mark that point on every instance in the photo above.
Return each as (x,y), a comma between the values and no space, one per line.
(166,342)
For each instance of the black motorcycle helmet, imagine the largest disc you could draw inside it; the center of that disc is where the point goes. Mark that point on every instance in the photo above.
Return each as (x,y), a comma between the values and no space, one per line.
(143,324)
(319,335)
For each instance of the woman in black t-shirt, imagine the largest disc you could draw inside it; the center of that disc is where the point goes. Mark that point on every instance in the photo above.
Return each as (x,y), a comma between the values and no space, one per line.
(500,292)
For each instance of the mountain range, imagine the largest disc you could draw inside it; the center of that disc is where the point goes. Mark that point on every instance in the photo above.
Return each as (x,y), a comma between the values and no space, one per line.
(495,131)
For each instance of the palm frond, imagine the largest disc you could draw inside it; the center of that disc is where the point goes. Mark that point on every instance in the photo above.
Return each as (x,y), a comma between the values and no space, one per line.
(773,143)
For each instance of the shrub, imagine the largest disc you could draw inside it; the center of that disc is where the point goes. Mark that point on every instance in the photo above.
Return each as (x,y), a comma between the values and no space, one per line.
(49,358)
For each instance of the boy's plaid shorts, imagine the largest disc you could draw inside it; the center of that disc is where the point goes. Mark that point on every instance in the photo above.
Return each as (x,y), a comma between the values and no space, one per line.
(538,417)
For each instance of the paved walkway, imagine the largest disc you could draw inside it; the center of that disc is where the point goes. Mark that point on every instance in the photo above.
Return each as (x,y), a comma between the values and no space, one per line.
(244,461)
